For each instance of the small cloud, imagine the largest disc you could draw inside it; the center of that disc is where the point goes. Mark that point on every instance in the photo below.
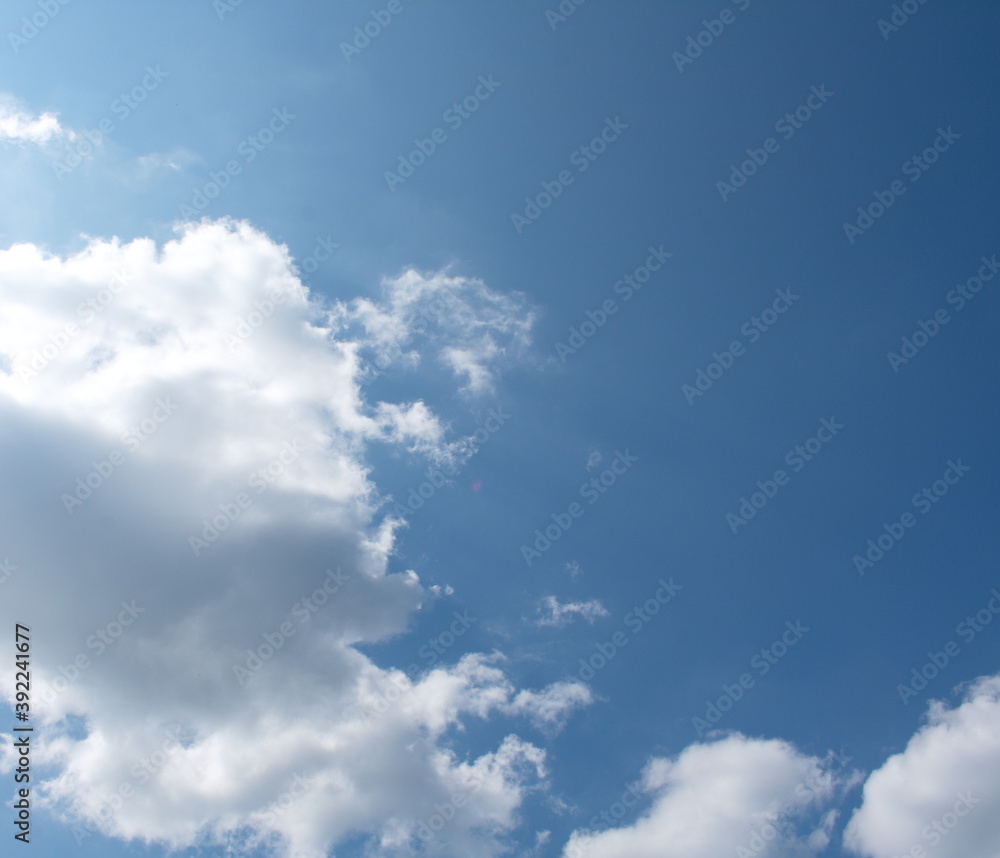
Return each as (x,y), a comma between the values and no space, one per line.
(155,162)
(554,614)
(542,838)
(460,322)
(594,459)
(439,591)
(574,569)
(549,708)
(19,126)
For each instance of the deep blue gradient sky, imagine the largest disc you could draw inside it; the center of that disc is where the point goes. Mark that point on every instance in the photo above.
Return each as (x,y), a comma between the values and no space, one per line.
(655,186)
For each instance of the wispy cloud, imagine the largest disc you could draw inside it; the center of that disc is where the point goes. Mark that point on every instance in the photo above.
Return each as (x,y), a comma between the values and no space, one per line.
(556,614)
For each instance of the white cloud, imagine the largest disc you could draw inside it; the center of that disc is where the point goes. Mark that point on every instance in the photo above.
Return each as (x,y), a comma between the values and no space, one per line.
(17,125)
(178,159)
(556,614)
(942,793)
(759,796)
(550,708)
(171,746)
(467,327)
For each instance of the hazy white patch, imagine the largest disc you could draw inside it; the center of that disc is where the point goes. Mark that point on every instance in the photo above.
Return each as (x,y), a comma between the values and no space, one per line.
(555,614)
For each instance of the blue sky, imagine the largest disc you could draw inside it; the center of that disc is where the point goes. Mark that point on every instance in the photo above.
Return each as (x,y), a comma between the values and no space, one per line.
(684,303)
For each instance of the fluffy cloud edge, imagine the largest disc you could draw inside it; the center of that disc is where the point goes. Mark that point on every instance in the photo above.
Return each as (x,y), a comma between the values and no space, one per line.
(940,795)
(212,340)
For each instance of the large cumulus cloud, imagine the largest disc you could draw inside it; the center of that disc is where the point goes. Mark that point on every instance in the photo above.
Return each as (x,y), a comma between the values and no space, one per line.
(200,544)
